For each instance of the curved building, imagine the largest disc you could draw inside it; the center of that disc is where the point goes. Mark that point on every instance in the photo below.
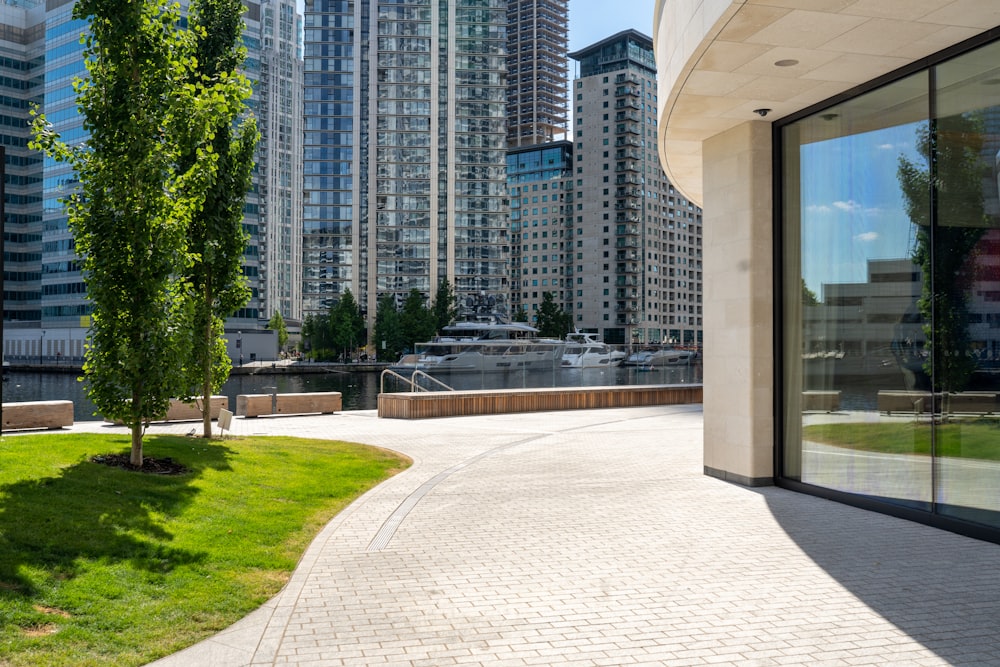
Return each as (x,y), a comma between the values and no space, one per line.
(846,155)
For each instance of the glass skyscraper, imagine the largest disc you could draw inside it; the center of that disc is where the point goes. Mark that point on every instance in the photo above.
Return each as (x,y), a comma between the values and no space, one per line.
(404,160)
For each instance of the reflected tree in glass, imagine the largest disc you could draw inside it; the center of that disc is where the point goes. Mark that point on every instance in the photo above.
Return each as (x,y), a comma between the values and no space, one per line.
(954,178)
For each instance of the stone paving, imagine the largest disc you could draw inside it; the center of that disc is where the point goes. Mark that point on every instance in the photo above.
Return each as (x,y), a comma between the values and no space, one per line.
(592,538)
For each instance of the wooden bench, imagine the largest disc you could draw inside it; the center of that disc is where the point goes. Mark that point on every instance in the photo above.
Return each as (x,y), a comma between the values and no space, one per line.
(904,401)
(424,405)
(256,405)
(37,414)
(968,402)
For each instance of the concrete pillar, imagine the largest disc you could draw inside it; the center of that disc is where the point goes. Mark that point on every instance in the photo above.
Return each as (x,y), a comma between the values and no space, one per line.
(738,305)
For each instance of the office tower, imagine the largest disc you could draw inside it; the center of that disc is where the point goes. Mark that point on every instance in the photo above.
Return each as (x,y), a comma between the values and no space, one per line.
(536,71)
(279,158)
(636,244)
(45,290)
(404,150)
(22,50)
(540,184)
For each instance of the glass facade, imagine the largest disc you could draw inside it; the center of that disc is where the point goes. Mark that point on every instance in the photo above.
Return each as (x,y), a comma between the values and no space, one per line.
(890,293)
(404,149)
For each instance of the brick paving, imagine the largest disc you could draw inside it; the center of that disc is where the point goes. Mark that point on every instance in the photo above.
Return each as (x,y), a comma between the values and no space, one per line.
(592,538)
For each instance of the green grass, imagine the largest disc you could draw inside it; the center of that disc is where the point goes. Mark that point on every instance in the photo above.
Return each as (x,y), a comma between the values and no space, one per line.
(103,566)
(973,439)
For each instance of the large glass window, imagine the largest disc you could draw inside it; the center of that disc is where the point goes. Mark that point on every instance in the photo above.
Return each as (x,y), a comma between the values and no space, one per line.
(891,292)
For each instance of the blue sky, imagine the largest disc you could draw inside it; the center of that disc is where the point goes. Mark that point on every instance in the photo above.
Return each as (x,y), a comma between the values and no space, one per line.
(592,20)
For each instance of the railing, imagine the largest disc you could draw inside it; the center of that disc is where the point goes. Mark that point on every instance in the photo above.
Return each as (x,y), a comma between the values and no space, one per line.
(412,380)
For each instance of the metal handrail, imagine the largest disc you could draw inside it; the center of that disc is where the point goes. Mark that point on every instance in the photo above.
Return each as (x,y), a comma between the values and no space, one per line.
(411,380)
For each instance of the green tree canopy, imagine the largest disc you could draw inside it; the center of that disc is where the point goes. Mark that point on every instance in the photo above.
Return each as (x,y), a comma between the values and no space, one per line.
(277,323)
(416,321)
(445,305)
(552,320)
(144,107)
(347,327)
(388,339)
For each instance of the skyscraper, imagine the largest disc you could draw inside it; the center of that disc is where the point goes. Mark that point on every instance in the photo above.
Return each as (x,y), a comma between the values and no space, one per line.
(404,149)
(536,71)
(635,263)
(279,157)
(45,291)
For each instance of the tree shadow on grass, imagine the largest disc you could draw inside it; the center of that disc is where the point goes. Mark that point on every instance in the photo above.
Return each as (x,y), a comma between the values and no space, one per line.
(93,512)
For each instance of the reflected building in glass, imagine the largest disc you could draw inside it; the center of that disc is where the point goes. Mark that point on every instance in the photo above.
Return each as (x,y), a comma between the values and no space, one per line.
(852,250)
(404,155)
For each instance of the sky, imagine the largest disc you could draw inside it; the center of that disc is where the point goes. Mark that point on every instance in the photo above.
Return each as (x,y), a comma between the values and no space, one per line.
(592,20)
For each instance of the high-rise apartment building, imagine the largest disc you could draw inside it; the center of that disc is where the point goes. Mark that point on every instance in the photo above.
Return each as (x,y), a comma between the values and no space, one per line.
(44,289)
(279,157)
(404,150)
(540,184)
(635,260)
(536,71)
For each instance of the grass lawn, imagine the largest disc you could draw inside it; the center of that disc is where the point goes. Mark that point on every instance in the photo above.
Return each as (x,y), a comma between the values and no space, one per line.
(972,439)
(102,566)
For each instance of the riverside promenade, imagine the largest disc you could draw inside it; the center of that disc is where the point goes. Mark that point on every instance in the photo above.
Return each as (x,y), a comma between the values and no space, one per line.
(593,538)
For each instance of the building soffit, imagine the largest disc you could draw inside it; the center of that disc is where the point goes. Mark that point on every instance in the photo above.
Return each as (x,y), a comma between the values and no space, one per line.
(720,61)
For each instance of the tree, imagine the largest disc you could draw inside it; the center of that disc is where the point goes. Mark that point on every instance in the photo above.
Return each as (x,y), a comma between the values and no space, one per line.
(553,321)
(445,306)
(277,323)
(347,327)
(216,239)
(130,214)
(519,315)
(388,337)
(416,321)
(808,296)
(945,240)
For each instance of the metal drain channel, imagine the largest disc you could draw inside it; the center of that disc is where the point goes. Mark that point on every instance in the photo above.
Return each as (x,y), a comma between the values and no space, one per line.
(388,529)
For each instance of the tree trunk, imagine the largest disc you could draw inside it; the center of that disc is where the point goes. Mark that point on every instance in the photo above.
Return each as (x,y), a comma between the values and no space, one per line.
(136,456)
(206,371)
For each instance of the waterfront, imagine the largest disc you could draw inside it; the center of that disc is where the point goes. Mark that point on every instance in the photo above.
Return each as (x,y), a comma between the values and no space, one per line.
(360,389)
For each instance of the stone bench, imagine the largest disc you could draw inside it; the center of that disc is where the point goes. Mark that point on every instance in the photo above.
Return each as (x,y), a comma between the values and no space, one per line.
(37,414)
(969,402)
(256,405)
(179,411)
(904,401)
(822,401)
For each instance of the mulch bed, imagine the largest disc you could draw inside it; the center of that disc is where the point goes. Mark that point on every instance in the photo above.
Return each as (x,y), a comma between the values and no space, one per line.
(150,465)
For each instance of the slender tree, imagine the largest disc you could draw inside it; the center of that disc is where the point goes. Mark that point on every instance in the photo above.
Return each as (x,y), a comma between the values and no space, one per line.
(553,321)
(277,323)
(416,321)
(445,305)
(946,240)
(216,239)
(388,337)
(130,214)
(347,327)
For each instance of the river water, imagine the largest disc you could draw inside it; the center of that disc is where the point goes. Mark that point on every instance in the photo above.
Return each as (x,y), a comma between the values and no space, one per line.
(360,389)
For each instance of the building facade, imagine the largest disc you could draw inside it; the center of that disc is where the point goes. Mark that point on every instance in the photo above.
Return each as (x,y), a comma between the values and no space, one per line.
(536,71)
(404,155)
(42,272)
(539,180)
(847,157)
(634,263)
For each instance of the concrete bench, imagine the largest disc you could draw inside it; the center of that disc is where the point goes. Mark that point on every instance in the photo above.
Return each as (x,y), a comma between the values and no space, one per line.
(255,405)
(179,411)
(823,401)
(904,401)
(37,414)
(976,402)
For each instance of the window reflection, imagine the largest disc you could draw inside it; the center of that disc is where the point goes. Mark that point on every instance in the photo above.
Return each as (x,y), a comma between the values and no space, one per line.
(891,298)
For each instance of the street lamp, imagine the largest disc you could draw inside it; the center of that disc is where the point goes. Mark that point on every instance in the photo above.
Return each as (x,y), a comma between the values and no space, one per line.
(41,343)
(239,345)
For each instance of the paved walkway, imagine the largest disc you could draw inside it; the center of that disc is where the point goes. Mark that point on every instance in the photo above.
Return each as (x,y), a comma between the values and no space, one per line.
(592,538)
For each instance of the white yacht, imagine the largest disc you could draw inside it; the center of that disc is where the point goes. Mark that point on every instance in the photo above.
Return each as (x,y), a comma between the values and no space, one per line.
(586,350)
(658,357)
